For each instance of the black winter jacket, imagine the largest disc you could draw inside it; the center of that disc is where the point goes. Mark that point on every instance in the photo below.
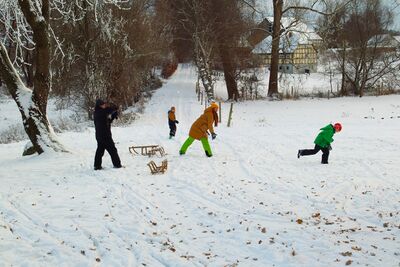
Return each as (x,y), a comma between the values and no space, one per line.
(102,122)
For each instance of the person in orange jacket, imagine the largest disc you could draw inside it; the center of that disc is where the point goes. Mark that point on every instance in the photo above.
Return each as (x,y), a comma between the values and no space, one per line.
(200,128)
(172,122)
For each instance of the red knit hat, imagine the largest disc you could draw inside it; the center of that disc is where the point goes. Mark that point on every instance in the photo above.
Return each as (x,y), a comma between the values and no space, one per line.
(338,127)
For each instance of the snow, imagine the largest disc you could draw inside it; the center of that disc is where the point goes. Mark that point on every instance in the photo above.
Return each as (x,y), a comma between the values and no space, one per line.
(252,204)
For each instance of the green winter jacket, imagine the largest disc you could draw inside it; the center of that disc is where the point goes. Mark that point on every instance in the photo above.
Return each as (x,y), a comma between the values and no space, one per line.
(324,138)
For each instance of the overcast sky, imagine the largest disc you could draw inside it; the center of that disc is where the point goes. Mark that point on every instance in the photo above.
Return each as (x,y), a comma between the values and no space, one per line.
(265,6)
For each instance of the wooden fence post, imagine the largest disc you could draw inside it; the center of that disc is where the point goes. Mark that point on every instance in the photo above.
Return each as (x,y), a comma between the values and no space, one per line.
(230,115)
(220,111)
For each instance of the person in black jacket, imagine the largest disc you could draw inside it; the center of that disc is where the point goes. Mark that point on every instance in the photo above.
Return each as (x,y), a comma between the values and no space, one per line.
(103,117)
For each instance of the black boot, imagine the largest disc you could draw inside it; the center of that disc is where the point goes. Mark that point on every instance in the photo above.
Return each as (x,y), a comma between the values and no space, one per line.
(298,154)
(208,154)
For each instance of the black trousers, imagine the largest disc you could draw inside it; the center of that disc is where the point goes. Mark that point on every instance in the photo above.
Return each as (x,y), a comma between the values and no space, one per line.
(172,129)
(111,149)
(317,148)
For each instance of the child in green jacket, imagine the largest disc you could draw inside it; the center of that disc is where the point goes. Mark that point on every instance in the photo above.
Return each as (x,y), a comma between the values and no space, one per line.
(322,142)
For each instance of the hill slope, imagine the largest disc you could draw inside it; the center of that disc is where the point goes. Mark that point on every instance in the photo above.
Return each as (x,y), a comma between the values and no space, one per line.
(252,204)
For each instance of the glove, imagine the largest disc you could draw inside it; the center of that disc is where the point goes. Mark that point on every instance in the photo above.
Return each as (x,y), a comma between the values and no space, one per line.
(114,115)
(177,122)
(213,135)
(330,147)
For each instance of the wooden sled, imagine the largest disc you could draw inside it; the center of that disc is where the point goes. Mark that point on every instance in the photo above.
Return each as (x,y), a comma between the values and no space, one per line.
(158,169)
(149,150)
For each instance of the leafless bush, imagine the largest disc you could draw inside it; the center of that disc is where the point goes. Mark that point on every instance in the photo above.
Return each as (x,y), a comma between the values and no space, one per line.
(69,124)
(14,133)
(291,94)
(125,119)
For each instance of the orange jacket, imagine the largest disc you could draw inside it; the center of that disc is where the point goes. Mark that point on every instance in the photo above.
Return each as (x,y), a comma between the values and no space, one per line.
(171,116)
(202,124)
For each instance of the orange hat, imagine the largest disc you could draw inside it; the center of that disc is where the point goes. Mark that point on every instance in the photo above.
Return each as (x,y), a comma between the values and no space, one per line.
(214,105)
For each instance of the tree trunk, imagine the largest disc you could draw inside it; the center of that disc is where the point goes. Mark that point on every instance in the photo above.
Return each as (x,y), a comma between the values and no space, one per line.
(28,69)
(33,104)
(202,63)
(343,69)
(40,27)
(229,72)
(276,32)
(35,122)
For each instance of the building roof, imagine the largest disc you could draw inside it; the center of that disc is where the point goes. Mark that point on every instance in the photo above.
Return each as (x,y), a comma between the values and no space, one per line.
(294,33)
(397,38)
(384,40)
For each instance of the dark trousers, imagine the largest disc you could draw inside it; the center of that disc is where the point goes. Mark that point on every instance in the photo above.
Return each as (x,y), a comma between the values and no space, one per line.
(317,148)
(172,129)
(111,149)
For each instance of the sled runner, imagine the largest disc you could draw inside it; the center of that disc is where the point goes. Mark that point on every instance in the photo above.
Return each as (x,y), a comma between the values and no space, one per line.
(149,150)
(158,169)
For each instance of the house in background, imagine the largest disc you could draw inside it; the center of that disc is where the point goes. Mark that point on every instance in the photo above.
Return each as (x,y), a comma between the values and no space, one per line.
(384,43)
(298,47)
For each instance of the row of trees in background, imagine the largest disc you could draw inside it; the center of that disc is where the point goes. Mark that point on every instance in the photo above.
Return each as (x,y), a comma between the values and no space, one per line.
(353,38)
(109,51)
(214,35)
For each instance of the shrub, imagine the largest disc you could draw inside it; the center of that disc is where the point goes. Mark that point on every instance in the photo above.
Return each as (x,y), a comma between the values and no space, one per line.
(14,133)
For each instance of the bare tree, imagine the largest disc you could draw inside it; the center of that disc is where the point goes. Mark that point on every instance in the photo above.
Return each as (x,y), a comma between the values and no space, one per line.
(214,29)
(365,34)
(190,25)
(103,46)
(33,103)
(276,32)
(230,27)
(363,48)
(28,22)
(296,9)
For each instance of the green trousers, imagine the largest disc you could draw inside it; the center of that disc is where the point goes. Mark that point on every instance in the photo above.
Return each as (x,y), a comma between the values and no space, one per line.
(190,140)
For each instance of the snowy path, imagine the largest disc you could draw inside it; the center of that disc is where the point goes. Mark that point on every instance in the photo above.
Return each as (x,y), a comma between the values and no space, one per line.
(252,204)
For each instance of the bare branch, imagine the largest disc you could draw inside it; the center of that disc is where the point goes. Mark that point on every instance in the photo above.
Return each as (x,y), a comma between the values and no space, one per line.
(312,9)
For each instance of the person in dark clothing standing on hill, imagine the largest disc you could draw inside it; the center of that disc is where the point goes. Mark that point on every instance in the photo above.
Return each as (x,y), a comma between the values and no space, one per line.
(103,117)
(322,142)
(172,122)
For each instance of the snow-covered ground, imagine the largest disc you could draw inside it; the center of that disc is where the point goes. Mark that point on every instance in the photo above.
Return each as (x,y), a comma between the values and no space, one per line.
(252,204)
